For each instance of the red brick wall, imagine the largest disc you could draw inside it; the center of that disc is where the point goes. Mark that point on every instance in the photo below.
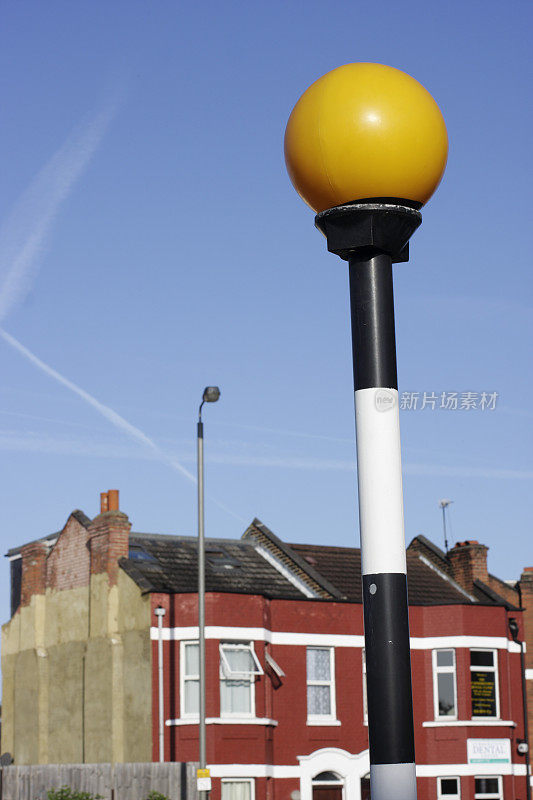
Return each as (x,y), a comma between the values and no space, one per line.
(68,561)
(33,571)
(280,745)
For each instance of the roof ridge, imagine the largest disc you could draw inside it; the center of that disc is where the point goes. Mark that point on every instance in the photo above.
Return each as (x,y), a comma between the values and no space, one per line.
(301,563)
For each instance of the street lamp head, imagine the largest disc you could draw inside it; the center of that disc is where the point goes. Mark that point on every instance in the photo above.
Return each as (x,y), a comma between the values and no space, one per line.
(211,394)
(365,132)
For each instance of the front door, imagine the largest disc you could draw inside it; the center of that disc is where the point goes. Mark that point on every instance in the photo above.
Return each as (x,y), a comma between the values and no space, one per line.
(327,792)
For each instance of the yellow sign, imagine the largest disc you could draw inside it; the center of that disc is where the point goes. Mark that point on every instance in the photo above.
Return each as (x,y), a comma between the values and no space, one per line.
(203,773)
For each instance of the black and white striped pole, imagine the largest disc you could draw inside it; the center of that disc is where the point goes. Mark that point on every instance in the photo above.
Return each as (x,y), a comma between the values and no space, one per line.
(366,147)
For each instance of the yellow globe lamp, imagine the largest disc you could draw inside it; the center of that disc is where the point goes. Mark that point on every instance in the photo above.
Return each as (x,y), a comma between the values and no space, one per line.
(365,132)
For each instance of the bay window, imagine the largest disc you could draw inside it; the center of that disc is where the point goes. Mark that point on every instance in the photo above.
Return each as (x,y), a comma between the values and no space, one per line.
(239,668)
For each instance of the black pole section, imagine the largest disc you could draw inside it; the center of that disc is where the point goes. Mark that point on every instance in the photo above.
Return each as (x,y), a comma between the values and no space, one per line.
(372,311)
(388,659)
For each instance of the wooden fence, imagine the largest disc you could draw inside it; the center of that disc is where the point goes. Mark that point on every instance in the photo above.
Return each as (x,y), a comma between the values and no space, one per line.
(177,781)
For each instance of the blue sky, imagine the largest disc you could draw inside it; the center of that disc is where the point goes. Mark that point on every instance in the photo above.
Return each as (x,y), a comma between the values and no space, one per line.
(151,243)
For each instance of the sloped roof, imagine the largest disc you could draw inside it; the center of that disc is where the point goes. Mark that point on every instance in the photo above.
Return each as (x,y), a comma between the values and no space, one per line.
(170,564)
(498,592)
(261,563)
(342,567)
(231,566)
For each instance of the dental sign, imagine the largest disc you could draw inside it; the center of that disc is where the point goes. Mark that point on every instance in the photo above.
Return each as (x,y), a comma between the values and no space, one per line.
(488,751)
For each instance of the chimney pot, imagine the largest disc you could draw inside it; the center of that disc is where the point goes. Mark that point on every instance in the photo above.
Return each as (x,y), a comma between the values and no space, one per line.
(104,502)
(113,499)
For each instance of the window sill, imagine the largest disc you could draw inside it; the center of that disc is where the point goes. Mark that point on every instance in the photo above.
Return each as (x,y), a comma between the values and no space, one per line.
(323,722)
(223,721)
(467,723)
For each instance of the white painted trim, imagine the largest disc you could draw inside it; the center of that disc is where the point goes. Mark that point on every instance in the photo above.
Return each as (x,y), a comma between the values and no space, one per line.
(444,642)
(466,770)
(253,771)
(220,632)
(349,767)
(323,722)
(223,721)
(285,571)
(379,478)
(529,674)
(489,722)
(327,760)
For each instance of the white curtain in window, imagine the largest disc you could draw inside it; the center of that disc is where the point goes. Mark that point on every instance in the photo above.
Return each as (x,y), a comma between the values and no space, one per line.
(318,700)
(318,664)
(235,697)
(236,790)
(192,697)
(192,659)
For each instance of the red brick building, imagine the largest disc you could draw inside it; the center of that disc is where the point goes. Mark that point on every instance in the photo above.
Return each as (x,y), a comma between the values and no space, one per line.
(285,681)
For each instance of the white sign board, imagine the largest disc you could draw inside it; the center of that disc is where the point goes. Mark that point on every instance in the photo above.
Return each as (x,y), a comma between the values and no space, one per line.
(203,780)
(488,751)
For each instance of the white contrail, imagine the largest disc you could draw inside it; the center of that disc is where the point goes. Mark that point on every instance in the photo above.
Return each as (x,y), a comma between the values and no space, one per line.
(112,416)
(23,233)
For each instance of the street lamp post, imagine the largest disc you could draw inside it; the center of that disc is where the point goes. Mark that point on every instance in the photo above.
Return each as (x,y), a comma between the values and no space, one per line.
(211,395)
(366,147)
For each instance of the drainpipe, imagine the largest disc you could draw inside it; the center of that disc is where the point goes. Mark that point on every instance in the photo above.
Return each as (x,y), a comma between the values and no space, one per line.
(160,613)
(513,627)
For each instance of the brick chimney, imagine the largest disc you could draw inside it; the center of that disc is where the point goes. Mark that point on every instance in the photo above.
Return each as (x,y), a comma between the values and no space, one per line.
(468,561)
(109,536)
(33,579)
(526,592)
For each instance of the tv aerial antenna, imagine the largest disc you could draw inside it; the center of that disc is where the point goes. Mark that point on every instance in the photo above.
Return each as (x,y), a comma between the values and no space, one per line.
(444,503)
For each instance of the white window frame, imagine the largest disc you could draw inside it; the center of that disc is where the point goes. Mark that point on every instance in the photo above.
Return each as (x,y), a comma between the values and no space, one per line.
(227,674)
(493,669)
(437,670)
(184,678)
(274,665)
(365,691)
(224,664)
(332,716)
(250,781)
(456,796)
(490,796)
